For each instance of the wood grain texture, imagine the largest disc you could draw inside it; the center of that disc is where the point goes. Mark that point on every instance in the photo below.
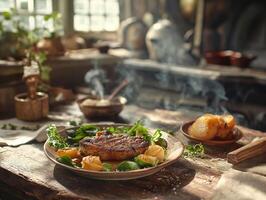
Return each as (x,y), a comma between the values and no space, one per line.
(27,171)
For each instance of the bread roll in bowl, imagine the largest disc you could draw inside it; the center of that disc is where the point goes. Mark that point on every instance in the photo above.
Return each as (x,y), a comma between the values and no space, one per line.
(205,127)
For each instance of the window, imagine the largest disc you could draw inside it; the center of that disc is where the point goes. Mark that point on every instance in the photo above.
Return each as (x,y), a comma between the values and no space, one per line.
(31,12)
(96,15)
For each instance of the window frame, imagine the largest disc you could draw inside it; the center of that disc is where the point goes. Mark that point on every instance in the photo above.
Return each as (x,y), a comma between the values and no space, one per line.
(33,13)
(124,12)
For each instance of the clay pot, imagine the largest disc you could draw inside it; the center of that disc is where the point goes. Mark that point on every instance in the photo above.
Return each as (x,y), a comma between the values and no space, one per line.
(51,46)
(218,57)
(31,109)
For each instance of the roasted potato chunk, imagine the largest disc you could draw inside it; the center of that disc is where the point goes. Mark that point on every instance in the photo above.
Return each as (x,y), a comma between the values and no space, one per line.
(92,163)
(205,127)
(227,123)
(70,152)
(156,151)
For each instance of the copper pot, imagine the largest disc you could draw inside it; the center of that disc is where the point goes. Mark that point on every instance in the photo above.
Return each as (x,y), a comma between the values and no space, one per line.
(51,46)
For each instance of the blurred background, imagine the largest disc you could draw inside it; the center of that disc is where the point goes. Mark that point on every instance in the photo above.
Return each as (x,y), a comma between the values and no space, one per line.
(196,55)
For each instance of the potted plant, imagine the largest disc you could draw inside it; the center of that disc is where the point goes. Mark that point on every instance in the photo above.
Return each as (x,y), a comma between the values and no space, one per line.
(51,43)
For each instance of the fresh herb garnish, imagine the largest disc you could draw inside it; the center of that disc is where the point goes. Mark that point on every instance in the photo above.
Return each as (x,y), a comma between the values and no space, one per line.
(54,139)
(118,130)
(196,150)
(139,130)
(11,126)
(4,127)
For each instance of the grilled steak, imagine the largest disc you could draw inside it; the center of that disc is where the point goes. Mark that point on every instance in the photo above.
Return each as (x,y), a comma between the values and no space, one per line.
(113,147)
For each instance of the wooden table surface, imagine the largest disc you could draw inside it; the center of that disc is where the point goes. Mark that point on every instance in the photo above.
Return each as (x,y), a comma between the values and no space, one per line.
(26,173)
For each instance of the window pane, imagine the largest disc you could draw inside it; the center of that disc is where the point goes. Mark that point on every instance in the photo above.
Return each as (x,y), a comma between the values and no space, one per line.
(26,5)
(32,22)
(97,23)
(81,6)
(112,7)
(111,23)
(97,6)
(6,4)
(81,23)
(40,22)
(25,22)
(43,6)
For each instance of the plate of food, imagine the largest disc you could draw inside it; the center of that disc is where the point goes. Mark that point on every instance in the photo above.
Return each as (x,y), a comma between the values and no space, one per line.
(112,151)
(212,129)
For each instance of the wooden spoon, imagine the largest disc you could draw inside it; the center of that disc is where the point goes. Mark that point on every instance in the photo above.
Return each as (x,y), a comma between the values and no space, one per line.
(123,84)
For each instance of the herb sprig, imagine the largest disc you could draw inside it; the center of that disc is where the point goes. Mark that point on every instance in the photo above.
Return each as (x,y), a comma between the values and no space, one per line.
(54,139)
(196,150)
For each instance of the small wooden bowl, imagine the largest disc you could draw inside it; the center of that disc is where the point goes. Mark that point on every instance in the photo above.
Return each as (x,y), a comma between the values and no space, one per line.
(237,134)
(94,111)
(31,109)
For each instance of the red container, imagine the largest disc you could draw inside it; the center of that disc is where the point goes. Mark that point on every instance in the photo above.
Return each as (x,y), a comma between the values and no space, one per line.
(242,60)
(218,57)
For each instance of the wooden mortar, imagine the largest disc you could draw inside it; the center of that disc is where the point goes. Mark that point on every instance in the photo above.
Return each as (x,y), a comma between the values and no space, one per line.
(31,109)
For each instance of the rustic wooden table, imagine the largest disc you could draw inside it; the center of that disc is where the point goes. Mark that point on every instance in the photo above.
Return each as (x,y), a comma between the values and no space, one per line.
(26,173)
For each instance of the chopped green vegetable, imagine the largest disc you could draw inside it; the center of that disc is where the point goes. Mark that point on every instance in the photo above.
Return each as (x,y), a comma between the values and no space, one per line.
(107,167)
(66,160)
(118,130)
(54,139)
(84,131)
(162,142)
(139,130)
(156,136)
(196,150)
(127,166)
(146,161)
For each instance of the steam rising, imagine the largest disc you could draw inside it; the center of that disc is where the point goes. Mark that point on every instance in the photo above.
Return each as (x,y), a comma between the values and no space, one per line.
(94,78)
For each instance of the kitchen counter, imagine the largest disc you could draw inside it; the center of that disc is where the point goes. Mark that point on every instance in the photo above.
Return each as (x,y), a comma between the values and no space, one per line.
(26,173)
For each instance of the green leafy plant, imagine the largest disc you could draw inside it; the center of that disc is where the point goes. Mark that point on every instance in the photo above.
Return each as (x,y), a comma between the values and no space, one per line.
(54,18)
